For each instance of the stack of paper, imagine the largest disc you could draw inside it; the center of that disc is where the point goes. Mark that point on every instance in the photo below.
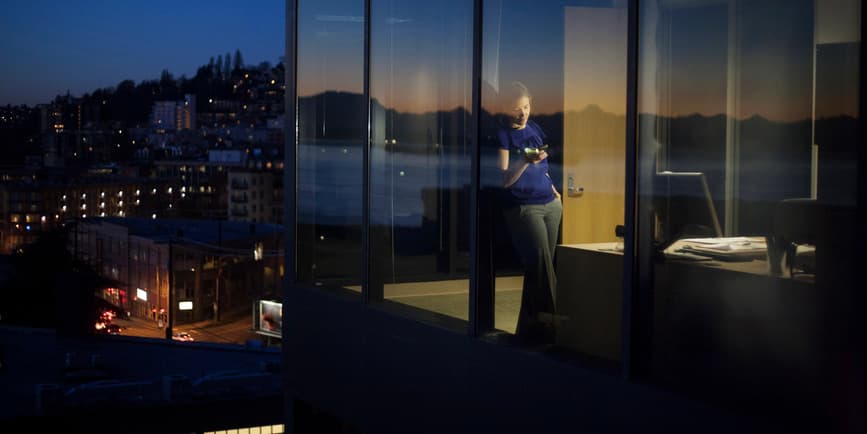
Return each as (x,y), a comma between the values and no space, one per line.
(732,247)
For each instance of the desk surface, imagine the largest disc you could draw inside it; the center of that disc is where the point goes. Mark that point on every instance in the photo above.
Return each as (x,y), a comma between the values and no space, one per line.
(757,267)
(595,247)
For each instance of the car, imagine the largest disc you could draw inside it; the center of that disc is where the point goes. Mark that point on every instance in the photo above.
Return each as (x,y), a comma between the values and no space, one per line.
(182,336)
(108,315)
(112,329)
(100,326)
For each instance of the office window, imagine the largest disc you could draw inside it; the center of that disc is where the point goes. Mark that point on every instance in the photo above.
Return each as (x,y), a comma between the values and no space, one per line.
(553,169)
(332,132)
(747,130)
(420,97)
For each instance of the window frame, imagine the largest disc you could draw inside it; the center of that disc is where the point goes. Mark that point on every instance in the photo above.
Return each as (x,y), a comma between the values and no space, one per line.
(481,273)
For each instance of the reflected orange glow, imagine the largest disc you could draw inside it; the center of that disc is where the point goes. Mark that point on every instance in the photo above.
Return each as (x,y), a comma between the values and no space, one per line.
(594,62)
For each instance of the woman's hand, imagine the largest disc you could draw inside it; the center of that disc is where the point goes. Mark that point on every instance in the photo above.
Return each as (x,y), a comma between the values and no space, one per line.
(536,158)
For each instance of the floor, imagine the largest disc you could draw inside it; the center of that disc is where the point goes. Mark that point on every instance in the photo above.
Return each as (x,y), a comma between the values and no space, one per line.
(451,298)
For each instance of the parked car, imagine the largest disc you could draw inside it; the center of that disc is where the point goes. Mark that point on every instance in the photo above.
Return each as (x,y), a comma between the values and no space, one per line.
(100,326)
(108,315)
(182,336)
(112,329)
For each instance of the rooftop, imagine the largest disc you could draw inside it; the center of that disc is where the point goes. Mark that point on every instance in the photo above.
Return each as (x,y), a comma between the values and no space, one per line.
(203,231)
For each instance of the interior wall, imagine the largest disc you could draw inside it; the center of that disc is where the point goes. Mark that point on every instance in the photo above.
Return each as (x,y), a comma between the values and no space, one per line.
(594,124)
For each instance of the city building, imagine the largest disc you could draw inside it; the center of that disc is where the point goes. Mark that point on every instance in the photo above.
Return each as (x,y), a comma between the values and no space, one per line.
(200,188)
(251,195)
(214,264)
(186,113)
(175,115)
(43,202)
(163,115)
(195,188)
(687,145)
(71,132)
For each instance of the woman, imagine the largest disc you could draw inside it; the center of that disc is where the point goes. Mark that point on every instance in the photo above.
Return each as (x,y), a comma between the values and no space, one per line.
(532,213)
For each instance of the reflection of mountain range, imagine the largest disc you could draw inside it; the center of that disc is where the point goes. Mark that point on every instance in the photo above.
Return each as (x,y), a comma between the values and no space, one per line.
(774,157)
(340,116)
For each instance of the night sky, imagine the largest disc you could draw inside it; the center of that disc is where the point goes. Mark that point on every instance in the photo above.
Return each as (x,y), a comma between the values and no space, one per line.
(420,63)
(50,46)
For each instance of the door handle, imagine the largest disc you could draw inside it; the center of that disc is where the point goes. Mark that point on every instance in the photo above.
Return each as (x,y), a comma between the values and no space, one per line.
(571,189)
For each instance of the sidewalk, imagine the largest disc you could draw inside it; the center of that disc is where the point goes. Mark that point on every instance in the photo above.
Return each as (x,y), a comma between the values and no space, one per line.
(140,327)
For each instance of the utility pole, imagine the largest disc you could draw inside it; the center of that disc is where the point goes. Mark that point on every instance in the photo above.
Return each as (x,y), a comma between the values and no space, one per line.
(75,227)
(169,311)
(128,306)
(277,260)
(219,263)
(217,293)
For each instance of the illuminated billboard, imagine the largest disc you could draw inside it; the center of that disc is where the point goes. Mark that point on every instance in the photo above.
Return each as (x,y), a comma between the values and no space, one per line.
(185,305)
(270,318)
(141,294)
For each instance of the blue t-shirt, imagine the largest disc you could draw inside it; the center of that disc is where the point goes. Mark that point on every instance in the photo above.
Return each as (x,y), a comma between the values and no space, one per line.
(534,185)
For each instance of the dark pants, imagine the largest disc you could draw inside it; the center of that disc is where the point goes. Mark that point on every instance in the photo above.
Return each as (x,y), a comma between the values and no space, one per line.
(534,230)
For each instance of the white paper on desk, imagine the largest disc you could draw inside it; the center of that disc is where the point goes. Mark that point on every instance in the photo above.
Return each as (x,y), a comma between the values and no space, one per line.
(730,244)
(732,247)
(727,240)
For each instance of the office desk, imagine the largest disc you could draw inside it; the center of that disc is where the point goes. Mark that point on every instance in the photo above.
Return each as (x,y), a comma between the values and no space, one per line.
(589,298)
(727,324)
(704,312)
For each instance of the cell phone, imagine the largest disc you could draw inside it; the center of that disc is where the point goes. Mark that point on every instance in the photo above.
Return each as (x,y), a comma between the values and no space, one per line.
(535,151)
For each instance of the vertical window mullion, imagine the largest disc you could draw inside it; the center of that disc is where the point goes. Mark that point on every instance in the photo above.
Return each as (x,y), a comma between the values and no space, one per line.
(481,272)
(290,175)
(631,283)
(365,195)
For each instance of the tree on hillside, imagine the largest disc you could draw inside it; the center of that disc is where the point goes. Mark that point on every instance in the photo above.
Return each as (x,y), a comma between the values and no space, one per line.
(239,62)
(168,86)
(124,101)
(227,65)
(218,67)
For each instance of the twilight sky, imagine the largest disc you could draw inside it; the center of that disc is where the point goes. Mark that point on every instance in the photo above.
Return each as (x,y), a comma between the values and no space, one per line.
(570,53)
(420,51)
(49,46)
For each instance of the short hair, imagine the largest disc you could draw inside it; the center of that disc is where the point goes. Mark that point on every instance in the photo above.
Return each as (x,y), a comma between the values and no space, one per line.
(512,93)
(517,90)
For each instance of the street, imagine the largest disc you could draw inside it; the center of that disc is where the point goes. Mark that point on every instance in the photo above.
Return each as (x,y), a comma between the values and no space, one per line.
(236,329)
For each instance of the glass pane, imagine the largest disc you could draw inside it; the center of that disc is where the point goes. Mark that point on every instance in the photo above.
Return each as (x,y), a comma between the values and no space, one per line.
(332,132)
(420,67)
(558,84)
(748,118)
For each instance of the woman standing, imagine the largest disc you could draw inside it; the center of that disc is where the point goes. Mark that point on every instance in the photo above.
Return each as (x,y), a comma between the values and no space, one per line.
(532,213)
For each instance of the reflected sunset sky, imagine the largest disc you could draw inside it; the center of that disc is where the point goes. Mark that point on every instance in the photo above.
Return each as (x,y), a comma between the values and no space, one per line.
(553,47)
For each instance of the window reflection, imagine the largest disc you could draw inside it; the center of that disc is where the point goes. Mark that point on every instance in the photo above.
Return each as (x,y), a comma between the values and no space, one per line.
(421,62)
(332,132)
(573,60)
(747,185)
